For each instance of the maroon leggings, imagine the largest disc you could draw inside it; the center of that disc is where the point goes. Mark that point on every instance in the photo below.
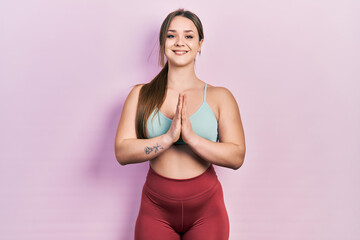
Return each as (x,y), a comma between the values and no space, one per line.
(188,209)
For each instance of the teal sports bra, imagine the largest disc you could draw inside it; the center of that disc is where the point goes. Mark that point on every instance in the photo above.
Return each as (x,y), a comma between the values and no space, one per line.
(203,123)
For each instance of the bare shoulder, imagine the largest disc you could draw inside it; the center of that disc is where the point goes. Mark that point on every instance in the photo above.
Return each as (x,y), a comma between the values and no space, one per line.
(136,89)
(219,91)
(133,96)
(126,126)
(220,97)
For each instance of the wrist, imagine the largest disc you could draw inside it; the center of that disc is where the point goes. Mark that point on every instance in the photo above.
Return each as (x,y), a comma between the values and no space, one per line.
(167,139)
(194,140)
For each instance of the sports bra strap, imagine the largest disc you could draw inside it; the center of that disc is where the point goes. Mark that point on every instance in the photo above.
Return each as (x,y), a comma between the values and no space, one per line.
(205,92)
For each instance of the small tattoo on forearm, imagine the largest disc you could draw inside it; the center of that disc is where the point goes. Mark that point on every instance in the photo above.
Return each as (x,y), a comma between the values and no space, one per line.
(156,148)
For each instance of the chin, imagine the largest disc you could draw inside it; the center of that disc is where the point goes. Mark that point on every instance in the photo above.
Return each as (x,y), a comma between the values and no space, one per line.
(180,63)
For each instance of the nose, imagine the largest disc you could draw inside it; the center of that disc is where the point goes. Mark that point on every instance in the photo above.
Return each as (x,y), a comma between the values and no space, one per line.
(179,42)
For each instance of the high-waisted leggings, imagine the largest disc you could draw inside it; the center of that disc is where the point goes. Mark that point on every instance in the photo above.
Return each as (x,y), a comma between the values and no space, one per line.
(188,209)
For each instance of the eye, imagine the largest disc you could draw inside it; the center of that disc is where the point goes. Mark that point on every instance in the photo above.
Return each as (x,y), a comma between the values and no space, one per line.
(170,36)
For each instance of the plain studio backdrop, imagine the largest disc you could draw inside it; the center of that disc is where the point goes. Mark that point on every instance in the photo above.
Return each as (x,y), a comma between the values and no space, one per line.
(66,68)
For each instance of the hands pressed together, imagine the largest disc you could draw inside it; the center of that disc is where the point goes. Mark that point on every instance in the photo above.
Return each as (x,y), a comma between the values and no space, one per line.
(181,123)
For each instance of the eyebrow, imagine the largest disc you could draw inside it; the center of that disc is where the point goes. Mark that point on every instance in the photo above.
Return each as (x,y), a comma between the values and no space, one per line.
(172,30)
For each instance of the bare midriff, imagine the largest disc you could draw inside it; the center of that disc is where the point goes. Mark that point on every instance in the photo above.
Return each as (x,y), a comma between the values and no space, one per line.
(179,162)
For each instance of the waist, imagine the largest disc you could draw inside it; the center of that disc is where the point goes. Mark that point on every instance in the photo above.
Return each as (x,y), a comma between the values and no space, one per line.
(178,158)
(181,188)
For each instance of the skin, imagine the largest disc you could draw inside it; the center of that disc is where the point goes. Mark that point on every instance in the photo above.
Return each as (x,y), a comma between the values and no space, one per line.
(184,97)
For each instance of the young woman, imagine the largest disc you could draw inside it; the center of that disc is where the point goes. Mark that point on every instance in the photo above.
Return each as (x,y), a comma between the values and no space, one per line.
(182,126)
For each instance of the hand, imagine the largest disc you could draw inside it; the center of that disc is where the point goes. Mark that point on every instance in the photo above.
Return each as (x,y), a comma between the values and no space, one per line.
(175,127)
(187,132)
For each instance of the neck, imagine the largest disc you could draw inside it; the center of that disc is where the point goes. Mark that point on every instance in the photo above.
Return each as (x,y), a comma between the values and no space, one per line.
(182,78)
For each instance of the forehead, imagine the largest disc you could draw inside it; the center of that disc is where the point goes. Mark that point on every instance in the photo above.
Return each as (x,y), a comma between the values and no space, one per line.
(180,23)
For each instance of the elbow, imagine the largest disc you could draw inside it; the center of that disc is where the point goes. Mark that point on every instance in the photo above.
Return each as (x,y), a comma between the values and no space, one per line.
(119,155)
(120,159)
(239,161)
(122,163)
(237,165)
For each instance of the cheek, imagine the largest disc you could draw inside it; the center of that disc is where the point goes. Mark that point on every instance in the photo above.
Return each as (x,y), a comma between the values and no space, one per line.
(169,42)
(193,45)
(168,48)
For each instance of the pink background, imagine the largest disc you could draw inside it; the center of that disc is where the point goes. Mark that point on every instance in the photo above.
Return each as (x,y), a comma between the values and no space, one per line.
(67,67)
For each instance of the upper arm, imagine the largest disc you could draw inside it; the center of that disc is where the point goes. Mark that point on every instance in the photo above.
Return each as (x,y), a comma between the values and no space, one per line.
(126,127)
(230,125)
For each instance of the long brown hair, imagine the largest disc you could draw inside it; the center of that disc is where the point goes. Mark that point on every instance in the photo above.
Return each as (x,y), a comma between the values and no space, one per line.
(153,93)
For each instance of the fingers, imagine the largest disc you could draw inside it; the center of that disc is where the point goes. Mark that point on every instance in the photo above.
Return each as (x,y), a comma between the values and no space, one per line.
(181,100)
(179,108)
(183,109)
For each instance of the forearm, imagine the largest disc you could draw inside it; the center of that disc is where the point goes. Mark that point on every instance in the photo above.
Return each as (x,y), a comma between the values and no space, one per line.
(223,154)
(130,151)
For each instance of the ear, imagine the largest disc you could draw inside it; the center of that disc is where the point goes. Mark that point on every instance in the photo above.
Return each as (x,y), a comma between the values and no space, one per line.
(200,44)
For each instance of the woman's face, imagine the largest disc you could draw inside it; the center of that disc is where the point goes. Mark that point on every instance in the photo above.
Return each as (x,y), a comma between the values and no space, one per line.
(182,42)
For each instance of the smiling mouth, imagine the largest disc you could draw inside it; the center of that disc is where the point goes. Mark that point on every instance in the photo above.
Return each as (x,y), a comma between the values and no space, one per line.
(180,52)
